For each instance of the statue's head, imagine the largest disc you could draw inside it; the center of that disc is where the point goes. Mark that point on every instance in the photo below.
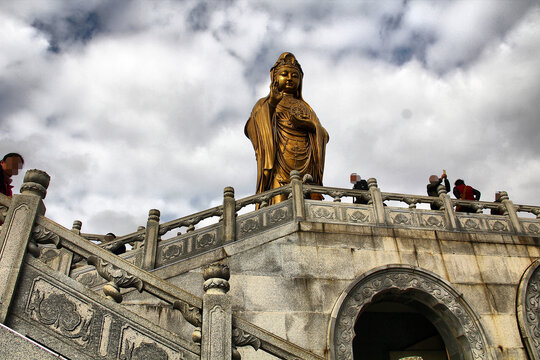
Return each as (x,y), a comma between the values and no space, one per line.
(287,75)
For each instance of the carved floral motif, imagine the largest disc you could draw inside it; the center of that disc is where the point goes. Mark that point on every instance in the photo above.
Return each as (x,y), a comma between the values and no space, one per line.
(470,224)
(172,251)
(137,346)
(144,351)
(206,240)
(59,311)
(403,279)
(250,225)
(323,213)
(533,229)
(499,226)
(401,219)
(278,215)
(434,222)
(359,216)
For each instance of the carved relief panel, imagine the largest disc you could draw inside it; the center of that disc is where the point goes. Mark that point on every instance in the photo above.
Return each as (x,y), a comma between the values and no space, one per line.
(528,309)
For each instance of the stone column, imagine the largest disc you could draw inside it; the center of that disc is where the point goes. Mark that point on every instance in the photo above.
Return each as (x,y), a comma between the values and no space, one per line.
(229,215)
(151,240)
(16,233)
(297,195)
(216,329)
(447,207)
(510,209)
(377,201)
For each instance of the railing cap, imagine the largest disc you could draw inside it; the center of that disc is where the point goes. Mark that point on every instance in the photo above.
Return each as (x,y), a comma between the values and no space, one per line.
(154,214)
(35,182)
(228,192)
(295,175)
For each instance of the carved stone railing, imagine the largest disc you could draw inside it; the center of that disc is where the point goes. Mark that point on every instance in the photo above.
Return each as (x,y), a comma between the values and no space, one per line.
(28,228)
(372,212)
(376,213)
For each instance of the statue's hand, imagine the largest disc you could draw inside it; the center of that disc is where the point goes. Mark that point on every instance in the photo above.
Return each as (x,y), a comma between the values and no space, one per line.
(303,122)
(275,95)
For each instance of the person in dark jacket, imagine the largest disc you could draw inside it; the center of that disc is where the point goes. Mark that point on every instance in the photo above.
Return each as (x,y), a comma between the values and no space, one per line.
(11,164)
(432,187)
(359,184)
(465,192)
(497,200)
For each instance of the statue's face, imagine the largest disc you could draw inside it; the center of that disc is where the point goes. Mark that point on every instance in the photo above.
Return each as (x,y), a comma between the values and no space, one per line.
(288,79)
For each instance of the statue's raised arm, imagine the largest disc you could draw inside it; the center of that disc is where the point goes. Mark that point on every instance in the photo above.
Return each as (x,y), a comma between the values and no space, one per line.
(285,131)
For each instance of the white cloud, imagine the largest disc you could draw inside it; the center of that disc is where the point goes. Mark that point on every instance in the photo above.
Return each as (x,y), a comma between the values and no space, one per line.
(149,113)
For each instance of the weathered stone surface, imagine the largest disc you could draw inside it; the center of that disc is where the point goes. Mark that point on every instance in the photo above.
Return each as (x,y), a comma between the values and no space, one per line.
(80,324)
(14,346)
(462,268)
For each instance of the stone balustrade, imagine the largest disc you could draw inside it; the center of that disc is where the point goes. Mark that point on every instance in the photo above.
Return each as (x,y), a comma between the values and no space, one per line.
(233,227)
(28,230)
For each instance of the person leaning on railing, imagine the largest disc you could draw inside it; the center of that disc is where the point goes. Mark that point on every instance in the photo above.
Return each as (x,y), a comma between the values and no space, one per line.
(465,192)
(432,187)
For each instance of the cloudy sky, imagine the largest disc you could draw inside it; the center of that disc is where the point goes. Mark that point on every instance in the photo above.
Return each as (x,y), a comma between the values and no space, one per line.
(132,104)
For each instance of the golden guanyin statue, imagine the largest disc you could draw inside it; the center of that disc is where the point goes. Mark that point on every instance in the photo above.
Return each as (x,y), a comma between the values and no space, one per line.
(284,130)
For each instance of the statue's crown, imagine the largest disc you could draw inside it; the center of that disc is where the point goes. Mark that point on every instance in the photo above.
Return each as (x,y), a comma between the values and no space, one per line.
(288,59)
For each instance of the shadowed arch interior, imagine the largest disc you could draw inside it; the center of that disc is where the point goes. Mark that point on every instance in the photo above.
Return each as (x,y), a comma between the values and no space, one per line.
(425,296)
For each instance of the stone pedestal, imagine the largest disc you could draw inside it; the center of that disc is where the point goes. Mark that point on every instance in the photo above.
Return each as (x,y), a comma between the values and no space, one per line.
(17,231)
(217,315)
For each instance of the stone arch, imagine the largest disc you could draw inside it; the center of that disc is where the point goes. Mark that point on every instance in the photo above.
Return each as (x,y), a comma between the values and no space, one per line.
(528,309)
(453,317)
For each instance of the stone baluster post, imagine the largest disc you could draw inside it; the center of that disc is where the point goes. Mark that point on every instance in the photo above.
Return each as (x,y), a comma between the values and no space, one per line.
(298,196)
(65,257)
(377,201)
(229,215)
(17,231)
(447,207)
(216,342)
(151,240)
(510,209)
(138,244)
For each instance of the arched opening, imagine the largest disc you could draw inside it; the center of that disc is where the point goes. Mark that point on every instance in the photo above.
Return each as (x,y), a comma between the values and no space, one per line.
(394,329)
(396,309)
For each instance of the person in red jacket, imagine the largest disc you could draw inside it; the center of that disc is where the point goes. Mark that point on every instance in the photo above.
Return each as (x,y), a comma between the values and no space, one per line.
(11,164)
(465,192)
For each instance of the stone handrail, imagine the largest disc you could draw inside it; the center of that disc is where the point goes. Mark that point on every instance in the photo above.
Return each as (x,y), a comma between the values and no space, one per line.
(133,276)
(535,210)
(336,193)
(263,198)
(79,245)
(410,200)
(191,220)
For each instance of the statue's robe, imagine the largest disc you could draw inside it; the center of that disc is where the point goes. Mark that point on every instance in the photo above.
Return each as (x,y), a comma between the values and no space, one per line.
(281,147)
